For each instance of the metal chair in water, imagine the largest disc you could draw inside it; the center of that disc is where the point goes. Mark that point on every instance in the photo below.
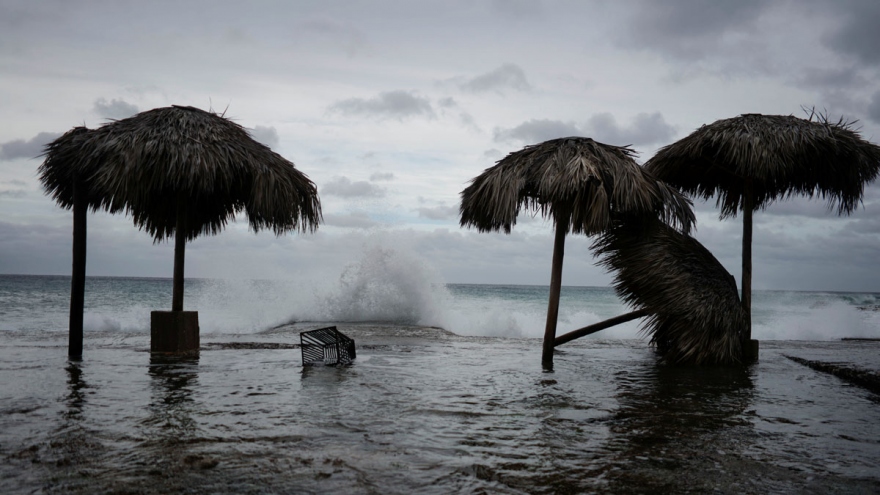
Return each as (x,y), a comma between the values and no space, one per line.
(326,346)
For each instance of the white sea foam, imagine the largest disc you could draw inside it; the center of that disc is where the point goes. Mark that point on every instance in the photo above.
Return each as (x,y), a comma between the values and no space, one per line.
(391,283)
(791,319)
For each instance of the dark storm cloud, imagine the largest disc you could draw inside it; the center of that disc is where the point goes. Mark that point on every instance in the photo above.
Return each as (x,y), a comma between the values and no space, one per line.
(508,76)
(858,34)
(266,135)
(688,28)
(843,77)
(114,109)
(874,108)
(392,104)
(441,212)
(32,148)
(344,187)
(645,129)
(799,207)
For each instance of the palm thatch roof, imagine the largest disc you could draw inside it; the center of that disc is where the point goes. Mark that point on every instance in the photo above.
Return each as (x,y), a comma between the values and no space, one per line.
(145,164)
(59,172)
(591,179)
(783,156)
(695,312)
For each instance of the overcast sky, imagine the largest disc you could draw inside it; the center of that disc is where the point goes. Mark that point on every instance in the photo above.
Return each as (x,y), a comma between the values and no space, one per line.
(391,107)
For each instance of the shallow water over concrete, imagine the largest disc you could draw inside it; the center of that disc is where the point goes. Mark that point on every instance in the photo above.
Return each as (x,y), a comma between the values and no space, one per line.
(425,411)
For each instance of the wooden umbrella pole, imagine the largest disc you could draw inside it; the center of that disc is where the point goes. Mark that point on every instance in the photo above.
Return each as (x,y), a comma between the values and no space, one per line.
(562,220)
(602,325)
(179,250)
(78,275)
(748,208)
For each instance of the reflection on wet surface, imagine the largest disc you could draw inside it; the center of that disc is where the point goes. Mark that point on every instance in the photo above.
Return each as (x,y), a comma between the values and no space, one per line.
(428,414)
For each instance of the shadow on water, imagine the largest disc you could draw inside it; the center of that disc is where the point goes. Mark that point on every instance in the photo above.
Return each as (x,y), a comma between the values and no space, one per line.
(173,379)
(73,448)
(680,428)
(76,396)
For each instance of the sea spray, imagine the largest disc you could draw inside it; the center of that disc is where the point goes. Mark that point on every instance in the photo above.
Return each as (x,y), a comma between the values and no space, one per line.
(388,285)
(393,284)
(789,315)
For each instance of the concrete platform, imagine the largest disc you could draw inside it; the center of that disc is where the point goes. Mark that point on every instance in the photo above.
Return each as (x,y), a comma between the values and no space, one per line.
(174,332)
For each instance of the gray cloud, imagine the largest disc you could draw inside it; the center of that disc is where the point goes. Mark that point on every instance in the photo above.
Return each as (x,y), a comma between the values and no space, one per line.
(356,220)
(344,187)
(538,130)
(525,10)
(645,129)
(32,148)
(441,212)
(508,76)
(392,104)
(493,154)
(843,77)
(858,35)
(689,28)
(344,35)
(114,109)
(380,176)
(874,108)
(266,135)
(447,102)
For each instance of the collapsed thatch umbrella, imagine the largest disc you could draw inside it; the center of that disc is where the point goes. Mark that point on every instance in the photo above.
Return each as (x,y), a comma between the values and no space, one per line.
(580,184)
(694,315)
(752,160)
(181,171)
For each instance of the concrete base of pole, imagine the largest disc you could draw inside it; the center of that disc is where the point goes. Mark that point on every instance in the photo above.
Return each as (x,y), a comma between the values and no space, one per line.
(174,332)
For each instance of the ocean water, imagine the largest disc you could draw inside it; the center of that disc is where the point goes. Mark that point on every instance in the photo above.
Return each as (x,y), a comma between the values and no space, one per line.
(447,394)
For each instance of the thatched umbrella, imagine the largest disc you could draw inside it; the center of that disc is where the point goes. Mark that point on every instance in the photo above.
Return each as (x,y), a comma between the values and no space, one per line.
(752,160)
(694,315)
(181,171)
(580,184)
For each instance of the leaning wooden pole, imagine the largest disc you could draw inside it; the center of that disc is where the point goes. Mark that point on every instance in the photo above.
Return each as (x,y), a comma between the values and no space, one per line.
(179,251)
(562,220)
(602,325)
(78,274)
(748,208)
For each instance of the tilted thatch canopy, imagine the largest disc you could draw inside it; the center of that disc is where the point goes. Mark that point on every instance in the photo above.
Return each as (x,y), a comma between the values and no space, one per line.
(144,164)
(589,179)
(752,160)
(783,155)
(579,183)
(695,315)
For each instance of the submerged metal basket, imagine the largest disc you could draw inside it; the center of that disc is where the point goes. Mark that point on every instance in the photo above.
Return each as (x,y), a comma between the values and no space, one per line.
(326,346)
